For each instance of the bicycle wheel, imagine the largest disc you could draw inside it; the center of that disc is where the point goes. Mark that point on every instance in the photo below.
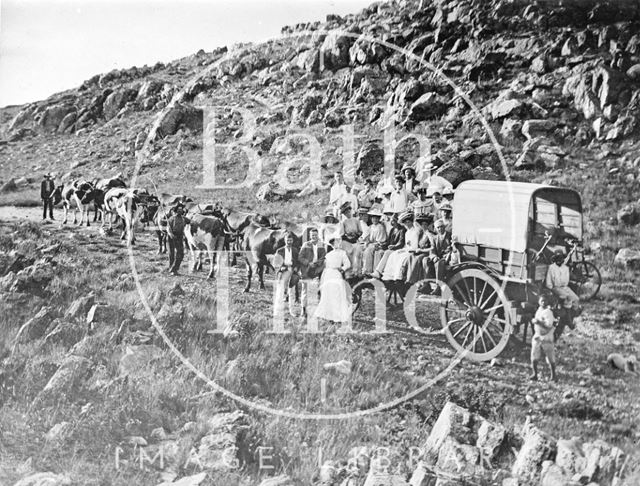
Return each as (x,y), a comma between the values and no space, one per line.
(585,279)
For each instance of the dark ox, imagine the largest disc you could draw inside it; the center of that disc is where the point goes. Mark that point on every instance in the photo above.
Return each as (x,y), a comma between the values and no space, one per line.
(259,242)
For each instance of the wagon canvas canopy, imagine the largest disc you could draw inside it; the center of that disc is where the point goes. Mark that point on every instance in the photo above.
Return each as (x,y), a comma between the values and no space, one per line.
(500,214)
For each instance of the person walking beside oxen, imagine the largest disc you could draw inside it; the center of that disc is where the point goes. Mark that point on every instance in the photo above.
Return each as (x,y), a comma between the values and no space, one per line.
(46,192)
(175,238)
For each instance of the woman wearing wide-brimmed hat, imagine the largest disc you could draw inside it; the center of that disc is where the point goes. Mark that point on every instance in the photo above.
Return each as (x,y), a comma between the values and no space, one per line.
(335,301)
(391,266)
(375,241)
(408,171)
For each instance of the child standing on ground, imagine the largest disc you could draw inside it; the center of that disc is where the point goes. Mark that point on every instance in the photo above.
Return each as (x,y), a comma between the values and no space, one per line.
(542,341)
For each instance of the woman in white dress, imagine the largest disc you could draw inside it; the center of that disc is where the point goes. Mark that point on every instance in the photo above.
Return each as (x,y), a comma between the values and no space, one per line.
(335,301)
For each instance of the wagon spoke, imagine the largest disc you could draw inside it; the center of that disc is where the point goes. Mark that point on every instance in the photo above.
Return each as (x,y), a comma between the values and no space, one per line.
(484,287)
(482,304)
(491,338)
(494,308)
(466,298)
(466,336)
(475,291)
(468,291)
(484,345)
(462,328)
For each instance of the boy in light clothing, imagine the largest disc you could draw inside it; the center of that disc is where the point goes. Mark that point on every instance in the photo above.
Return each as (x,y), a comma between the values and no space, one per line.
(542,341)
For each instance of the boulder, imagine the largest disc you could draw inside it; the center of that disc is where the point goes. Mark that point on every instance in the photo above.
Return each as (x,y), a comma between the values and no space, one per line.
(270,191)
(52,116)
(365,52)
(308,60)
(454,423)
(9,186)
(149,88)
(633,72)
(579,88)
(217,448)
(510,130)
(629,215)
(32,279)
(607,84)
(370,160)
(116,101)
(490,438)
(569,456)
(535,128)
(335,50)
(37,326)
(384,479)
(67,123)
(536,448)
(80,307)
(628,258)
(180,116)
(428,107)
(44,479)
(502,108)
(65,379)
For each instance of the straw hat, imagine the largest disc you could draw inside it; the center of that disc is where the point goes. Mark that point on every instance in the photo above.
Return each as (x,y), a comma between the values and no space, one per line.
(446,207)
(345,206)
(405,215)
(375,210)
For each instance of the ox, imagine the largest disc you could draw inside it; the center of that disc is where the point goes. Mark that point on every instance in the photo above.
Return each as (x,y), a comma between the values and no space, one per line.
(259,242)
(102,186)
(208,232)
(76,195)
(130,205)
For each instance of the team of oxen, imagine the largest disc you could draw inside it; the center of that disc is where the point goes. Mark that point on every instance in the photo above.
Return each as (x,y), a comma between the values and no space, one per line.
(211,229)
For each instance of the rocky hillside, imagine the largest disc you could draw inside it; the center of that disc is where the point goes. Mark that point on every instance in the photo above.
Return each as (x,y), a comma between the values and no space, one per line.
(86,378)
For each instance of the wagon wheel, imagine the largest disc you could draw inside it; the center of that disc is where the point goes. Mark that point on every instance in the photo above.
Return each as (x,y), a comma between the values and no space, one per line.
(476,314)
(585,279)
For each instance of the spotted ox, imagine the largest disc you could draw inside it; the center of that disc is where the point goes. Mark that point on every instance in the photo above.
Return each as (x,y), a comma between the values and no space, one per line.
(76,195)
(206,232)
(130,205)
(101,187)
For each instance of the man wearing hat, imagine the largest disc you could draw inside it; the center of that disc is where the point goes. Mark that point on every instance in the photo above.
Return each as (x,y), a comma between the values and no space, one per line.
(445,216)
(311,261)
(349,229)
(375,240)
(442,248)
(557,280)
(46,191)
(175,237)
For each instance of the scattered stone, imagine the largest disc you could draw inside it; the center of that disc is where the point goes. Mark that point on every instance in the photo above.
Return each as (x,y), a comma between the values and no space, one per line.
(59,432)
(69,375)
(537,447)
(44,479)
(629,215)
(343,367)
(282,480)
(194,480)
(620,362)
(628,258)
(80,307)
(37,326)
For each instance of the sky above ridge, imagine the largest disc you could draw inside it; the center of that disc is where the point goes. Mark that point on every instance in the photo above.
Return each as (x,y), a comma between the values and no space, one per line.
(47,46)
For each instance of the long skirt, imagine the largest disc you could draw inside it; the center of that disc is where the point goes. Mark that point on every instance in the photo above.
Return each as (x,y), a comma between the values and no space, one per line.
(335,301)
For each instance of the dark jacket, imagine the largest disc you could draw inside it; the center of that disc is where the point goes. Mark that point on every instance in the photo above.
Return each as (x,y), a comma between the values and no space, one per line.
(46,188)
(395,241)
(308,268)
(176,224)
(441,245)
(294,257)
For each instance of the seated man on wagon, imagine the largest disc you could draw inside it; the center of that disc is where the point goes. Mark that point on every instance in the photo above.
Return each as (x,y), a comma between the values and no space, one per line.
(557,280)
(444,253)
